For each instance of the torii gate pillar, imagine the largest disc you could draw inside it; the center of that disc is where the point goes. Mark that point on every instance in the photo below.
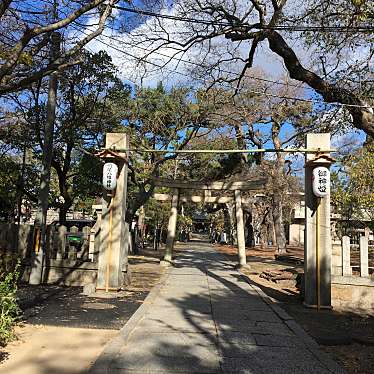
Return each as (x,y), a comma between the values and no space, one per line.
(172,227)
(114,236)
(240,229)
(317,242)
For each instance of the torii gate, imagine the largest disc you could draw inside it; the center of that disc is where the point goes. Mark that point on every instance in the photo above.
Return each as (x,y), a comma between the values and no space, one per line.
(177,186)
(317,243)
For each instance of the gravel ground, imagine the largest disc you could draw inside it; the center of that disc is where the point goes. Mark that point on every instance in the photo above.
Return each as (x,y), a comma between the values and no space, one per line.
(77,325)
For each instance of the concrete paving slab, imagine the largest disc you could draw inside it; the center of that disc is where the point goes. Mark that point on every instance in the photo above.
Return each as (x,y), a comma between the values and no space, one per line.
(233,285)
(194,324)
(202,306)
(177,315)
(254,327)
(243,317)
(156,311)
(271,340)
(228,293)
(130,371)
(185,294)
(254,359)
(175,287)
(244,307)
(138,336)
(234,301)
(205,318)
(187,271)
(185,281)
(178,361)
(224,274)
(236,338)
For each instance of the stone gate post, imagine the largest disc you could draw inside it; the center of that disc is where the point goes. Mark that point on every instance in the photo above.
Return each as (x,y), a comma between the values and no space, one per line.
(317,266)
(114,236)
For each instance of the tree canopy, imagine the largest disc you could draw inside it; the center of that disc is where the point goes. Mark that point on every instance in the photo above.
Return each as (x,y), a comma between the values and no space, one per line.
(336,36)
(27,29)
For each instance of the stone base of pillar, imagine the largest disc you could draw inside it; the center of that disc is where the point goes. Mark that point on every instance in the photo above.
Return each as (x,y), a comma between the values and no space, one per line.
(242,267)
(99,294)
(127,277)
(166,263)
(315,306)
(110,289)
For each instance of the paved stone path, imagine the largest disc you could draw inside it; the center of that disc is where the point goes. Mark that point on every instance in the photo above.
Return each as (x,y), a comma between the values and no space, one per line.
(207,319)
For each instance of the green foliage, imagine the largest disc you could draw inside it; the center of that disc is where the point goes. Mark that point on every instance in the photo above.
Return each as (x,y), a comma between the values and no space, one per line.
(9,309)
(353,188)
(157,214)
(87,181)
(184,222)
(217,220)
(91,102)
(209,166)
(8,186)
(158,119)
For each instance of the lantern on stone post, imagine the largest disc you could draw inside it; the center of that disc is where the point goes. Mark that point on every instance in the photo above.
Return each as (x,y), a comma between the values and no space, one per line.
(112,251)
(113,161)
(321,175)
(317,261)
(110,171)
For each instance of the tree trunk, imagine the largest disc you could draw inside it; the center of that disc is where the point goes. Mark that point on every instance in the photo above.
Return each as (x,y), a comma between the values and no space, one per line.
(230,227)
(279,175)
(263,235)
(280,233)
(41,216)
(64,208)
(240,140)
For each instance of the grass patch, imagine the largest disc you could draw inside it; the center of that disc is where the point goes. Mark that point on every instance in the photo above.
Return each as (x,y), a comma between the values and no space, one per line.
(9,309)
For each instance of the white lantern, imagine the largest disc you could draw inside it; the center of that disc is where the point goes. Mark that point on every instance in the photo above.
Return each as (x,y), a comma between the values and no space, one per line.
(321,181)
(110,171)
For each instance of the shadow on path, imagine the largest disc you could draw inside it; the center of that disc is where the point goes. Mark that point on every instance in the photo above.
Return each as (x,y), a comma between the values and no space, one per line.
(208,319)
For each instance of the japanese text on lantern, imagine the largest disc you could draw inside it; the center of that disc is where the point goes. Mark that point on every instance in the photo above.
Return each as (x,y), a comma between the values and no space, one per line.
(321,181)
(110,176)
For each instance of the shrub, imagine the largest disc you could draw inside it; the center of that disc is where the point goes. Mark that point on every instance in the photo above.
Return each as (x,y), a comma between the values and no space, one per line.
(9,309)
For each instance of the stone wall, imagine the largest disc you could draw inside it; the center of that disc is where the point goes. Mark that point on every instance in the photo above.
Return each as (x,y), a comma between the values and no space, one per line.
(353,294)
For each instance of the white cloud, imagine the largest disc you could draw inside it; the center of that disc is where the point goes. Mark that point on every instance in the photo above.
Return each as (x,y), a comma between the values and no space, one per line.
(131,51)
(170,64)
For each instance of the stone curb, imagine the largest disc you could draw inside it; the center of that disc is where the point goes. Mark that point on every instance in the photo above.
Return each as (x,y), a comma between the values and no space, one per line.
(111,349)
(305,338)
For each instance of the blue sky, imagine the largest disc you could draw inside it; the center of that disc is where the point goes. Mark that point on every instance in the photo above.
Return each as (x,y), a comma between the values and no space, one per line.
(131,72)
(270,64)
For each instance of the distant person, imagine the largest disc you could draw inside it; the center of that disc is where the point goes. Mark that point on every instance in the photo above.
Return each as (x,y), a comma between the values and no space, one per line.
(217,237)
(213,236)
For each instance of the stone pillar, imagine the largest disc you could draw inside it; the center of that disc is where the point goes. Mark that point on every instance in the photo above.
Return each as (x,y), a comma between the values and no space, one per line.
(73,253)
(61,243)
(94,245)
(113,236)
(364,256)
(316,141)
(172,226)
(346,256)
(240,228)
